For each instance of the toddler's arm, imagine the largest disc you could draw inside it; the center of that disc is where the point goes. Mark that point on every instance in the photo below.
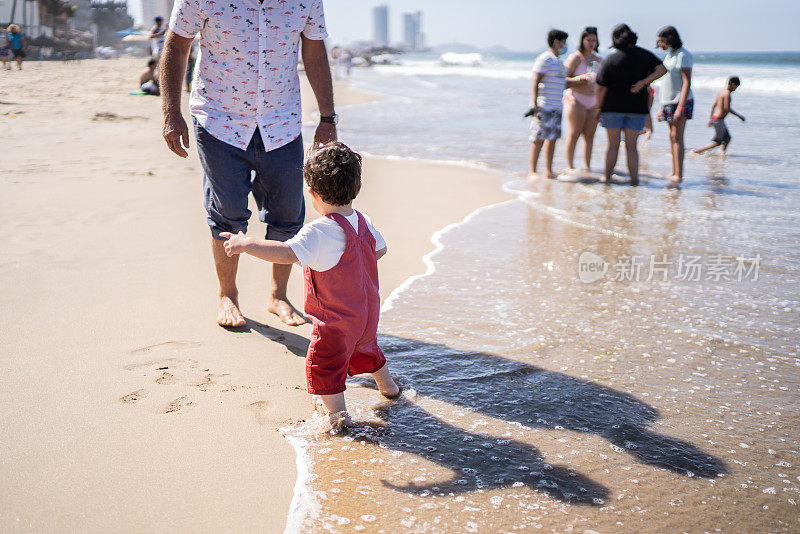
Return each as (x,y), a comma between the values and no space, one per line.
(272,251)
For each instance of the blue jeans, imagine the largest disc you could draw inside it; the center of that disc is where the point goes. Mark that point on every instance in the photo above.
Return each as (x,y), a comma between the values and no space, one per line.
(613,120)
(230,174)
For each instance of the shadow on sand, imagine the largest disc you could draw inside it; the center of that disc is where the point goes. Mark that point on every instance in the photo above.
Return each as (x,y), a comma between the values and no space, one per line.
(518,393)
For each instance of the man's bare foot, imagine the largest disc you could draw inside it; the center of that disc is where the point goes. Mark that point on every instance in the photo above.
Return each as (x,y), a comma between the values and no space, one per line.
(283,309)
(551,175)
(229,314)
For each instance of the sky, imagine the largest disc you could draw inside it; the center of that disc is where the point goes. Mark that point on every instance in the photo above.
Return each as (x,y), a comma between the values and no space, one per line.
(704,25)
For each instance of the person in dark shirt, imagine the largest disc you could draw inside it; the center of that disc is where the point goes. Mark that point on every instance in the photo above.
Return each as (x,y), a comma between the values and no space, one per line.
(622,96)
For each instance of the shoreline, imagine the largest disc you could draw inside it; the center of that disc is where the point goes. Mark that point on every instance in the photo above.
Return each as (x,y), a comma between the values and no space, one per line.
(141,403)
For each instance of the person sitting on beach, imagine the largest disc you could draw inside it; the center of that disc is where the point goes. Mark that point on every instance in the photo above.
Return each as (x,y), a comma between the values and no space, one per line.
(549,81)
(720,110)
(622,97)
(580,101)
(677,101)
(16,42)
(148,79)
(339,254)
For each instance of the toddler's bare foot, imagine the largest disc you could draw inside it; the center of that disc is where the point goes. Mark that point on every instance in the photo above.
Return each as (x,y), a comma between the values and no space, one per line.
(229,314)
(339,421)
(386,384)
(284,309)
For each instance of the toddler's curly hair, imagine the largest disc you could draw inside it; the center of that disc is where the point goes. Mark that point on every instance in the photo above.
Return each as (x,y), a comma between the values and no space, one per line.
(333,171)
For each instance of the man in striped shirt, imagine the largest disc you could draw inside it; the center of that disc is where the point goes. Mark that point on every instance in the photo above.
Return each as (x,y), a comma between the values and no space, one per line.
(549,82)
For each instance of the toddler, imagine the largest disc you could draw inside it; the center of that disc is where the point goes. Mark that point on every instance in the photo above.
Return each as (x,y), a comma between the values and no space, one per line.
(339,254)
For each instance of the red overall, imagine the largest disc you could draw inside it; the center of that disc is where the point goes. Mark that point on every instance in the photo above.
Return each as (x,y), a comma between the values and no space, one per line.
(344,305)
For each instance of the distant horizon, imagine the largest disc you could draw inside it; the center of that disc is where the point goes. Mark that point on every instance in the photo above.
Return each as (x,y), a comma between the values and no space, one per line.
(438,45)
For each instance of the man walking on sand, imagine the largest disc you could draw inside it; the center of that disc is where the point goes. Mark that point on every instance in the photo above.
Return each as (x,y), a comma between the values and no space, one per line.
(246,114)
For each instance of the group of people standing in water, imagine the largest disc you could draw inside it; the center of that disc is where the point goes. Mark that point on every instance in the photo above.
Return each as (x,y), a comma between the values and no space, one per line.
(615,92)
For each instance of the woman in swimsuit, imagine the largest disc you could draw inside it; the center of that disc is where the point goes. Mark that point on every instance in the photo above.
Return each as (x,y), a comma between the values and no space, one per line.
(580,101)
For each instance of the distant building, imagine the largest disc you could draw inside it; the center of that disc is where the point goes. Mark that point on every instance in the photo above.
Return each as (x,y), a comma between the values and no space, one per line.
(151,9)
(82,20)
(25,13)
(412,31)
(380,25)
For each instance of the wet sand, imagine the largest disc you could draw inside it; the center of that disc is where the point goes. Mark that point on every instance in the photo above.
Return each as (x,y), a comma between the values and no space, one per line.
(125,407)
(537,402)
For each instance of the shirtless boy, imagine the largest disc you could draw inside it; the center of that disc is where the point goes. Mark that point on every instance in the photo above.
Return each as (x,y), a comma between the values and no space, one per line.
(720,110)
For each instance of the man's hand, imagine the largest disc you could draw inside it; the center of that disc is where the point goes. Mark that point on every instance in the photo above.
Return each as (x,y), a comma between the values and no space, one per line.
(175,131)
(235,242)
(326,132)
(638,86)
(678,113)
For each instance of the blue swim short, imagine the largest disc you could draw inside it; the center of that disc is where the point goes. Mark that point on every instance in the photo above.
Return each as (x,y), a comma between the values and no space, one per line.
(546,126)
(667,111)
(230,174)
(613,120)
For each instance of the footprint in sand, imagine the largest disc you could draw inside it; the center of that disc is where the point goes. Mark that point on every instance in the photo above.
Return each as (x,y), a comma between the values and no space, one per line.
(130,398)
(178,405)
(165,364)
(166,378)
(176,345)
(260,410)
(221,383)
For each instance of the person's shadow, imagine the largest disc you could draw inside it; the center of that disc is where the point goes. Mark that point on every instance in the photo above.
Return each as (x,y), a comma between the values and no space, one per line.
(518,392)
(476,461)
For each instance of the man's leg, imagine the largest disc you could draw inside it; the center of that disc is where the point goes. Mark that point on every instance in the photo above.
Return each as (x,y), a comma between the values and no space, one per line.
(536,149)
(226,186)
(549,152)
(229,314)
(713,144)
(278,191)
(278,300)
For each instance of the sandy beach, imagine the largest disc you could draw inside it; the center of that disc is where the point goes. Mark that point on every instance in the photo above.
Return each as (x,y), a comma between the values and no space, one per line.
(125,407)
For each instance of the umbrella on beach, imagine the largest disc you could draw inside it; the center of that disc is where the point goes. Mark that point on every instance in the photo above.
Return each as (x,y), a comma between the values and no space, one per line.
(132,35)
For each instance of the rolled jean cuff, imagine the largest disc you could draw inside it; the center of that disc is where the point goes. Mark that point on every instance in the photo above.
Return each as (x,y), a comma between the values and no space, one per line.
(216,230)
(280,234)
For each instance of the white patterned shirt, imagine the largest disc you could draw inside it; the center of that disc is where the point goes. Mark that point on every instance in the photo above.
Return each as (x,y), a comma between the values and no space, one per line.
(247,73)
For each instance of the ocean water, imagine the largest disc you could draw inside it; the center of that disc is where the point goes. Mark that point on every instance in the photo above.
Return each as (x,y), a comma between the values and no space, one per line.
(581,357)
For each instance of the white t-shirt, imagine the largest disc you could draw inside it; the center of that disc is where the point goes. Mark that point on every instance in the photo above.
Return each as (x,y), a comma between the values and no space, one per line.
(551,89)
(320,243)
(671,84)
